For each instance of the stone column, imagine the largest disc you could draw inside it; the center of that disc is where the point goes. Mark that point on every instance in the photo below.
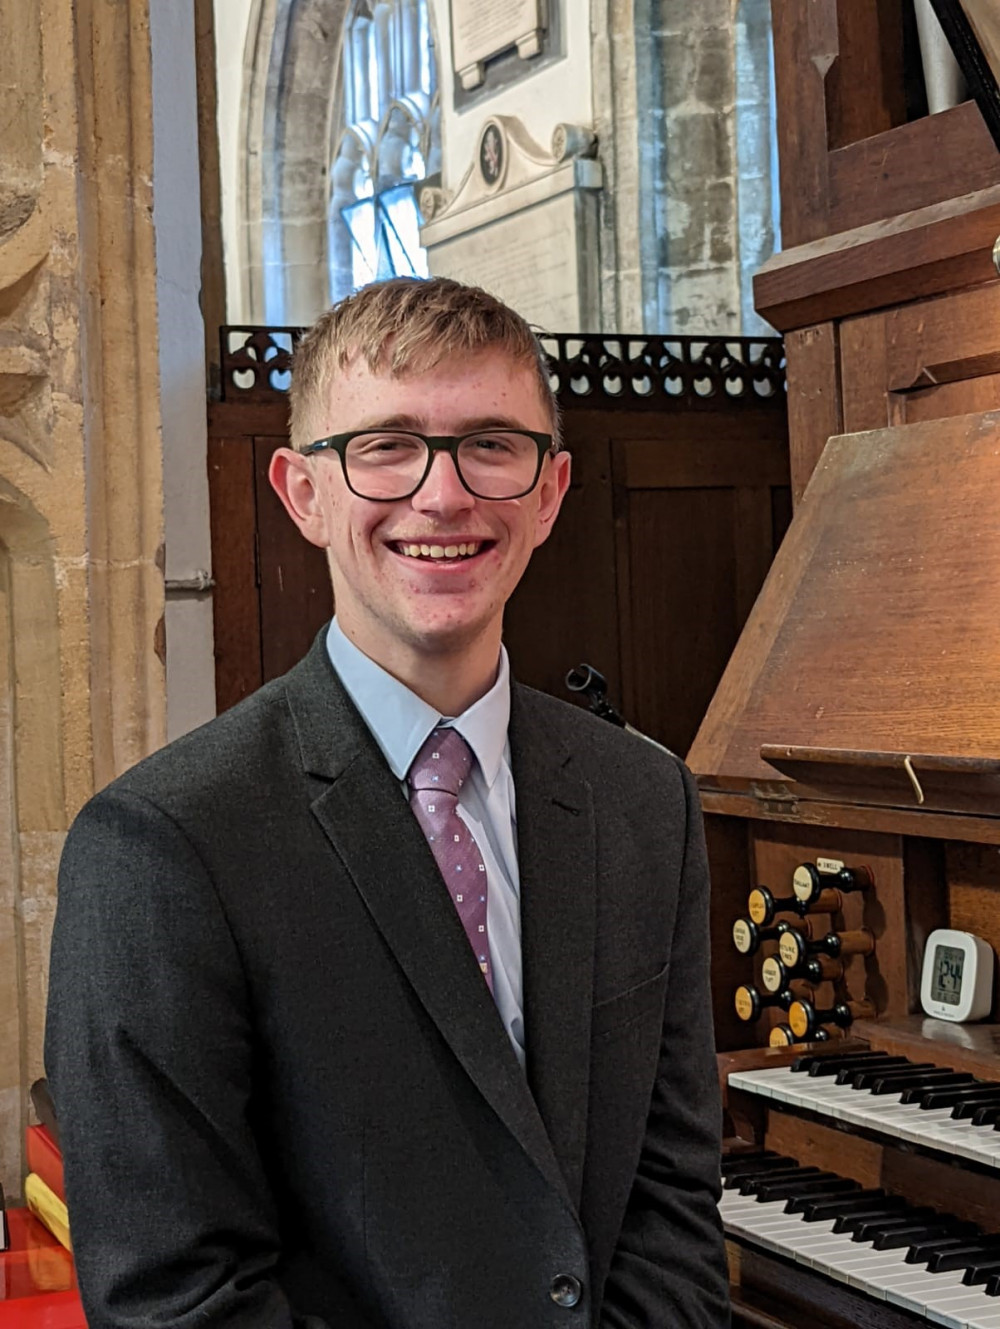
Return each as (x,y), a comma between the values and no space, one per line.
(81,590)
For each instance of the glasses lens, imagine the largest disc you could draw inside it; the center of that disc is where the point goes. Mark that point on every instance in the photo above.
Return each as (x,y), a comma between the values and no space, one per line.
(494,464)
(385,465)
(498,464)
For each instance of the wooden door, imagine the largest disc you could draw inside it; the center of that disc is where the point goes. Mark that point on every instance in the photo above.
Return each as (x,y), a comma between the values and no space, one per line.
(655,562)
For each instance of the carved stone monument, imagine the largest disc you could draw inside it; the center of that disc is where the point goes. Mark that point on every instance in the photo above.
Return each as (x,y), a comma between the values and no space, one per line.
(481,29)
(523,223)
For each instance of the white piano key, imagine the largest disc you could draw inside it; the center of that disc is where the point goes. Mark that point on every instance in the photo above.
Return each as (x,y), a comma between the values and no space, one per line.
(989,1319)
(953,1311)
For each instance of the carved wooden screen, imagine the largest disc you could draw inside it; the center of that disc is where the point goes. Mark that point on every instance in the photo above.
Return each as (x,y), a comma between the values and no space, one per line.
(678,501)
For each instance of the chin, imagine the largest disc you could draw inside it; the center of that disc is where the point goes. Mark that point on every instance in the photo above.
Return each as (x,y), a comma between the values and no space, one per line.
(449,636)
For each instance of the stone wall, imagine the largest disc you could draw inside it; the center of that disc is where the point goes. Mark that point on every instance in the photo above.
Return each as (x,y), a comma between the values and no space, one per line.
(706,197)
(81,586)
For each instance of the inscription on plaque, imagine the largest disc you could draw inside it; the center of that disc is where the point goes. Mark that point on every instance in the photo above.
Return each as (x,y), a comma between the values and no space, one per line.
(530,260)
(481,29)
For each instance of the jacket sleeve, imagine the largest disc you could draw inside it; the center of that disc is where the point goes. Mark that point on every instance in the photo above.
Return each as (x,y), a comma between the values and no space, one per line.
(669,1267)
(149,1052)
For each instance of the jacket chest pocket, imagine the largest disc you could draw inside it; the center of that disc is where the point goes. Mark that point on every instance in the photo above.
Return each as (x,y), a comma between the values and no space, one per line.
(626,1008)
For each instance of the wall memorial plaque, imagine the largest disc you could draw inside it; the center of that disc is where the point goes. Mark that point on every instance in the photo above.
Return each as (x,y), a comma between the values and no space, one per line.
(481,29)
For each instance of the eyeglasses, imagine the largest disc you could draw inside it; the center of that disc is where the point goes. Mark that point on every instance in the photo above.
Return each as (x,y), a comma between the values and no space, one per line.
(387,465)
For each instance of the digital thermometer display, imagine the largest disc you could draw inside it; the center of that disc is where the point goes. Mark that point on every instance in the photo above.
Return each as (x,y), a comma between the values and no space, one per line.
(946,982)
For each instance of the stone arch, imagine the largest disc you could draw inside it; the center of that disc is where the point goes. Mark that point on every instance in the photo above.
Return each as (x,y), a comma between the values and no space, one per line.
(293,74)
(293,84)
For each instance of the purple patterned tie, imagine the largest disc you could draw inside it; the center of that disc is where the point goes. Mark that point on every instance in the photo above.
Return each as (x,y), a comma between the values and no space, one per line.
(438,772)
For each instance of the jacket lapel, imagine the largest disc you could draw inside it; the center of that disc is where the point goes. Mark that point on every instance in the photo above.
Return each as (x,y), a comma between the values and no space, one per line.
(556,856)
(376,837)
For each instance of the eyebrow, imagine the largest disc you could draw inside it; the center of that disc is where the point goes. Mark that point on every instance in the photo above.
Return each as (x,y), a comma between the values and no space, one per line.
(472,425)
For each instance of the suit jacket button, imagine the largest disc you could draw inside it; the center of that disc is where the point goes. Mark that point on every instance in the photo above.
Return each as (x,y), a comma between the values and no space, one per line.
(566,1290)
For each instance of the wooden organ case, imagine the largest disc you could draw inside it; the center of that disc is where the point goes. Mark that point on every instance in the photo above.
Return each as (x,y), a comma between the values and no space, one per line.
(854,740)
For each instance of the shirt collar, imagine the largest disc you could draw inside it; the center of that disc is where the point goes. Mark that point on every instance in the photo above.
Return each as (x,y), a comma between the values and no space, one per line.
(400,721)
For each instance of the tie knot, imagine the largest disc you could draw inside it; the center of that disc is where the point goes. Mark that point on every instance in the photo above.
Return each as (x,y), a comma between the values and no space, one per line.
(442,763)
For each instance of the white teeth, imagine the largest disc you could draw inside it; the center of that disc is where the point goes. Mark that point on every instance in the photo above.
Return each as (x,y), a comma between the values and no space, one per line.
(465,550)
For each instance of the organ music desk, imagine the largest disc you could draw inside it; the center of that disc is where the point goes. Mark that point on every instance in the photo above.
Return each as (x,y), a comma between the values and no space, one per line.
(858,724)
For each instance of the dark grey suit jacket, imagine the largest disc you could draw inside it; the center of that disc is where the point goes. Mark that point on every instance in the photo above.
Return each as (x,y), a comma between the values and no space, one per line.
(285,1094)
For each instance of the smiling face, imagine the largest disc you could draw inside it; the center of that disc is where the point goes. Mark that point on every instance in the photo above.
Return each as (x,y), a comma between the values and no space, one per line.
(411,610)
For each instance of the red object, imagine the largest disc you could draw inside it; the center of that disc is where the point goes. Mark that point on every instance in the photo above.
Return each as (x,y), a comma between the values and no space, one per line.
(45,1159)
(37,1279)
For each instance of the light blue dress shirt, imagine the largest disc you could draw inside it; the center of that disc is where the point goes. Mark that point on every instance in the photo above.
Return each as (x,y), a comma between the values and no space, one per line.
(400,723)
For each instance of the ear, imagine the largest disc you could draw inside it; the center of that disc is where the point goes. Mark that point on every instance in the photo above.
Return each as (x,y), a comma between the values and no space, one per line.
(551,492)
(293,480)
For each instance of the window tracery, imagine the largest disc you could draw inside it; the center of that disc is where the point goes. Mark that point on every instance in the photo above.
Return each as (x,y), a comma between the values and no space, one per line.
(389,142)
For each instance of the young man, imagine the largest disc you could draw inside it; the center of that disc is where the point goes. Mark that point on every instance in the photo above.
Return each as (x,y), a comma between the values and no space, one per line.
(381,1002)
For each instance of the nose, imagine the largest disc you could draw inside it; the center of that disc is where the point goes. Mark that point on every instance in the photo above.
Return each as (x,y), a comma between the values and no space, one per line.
(442,491)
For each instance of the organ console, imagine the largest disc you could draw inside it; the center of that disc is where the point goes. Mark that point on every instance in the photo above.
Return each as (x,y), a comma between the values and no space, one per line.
(853,742)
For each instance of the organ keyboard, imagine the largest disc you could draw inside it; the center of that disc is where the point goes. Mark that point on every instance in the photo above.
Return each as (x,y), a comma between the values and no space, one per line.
(925,1261)
(936,1108)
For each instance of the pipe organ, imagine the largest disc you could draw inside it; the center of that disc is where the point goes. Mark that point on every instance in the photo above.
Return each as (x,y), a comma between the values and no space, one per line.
(849,763)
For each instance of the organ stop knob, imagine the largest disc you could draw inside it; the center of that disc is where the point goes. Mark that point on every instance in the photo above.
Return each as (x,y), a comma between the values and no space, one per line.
(794,948)
(750,1004)
(805,1018)
(809,882)
(776,975)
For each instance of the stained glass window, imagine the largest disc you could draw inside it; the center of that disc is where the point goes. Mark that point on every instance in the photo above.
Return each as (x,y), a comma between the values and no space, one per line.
(389,143)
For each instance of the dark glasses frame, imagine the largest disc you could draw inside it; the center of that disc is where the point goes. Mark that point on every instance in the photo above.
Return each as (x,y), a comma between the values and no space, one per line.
(449,443)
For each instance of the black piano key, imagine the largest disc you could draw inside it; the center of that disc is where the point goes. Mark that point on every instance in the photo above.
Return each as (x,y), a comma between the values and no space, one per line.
(847,1071)
(959,1257)
(947,1095)
(838,1188)
(869,1228)
(805,1062)
(788,1189)
(894,1083)
(817,1209)
(955,1082)
(981,1271)
(832,1064)
(966,1107)
(894,1206)
(992,1288)
(920,1252)
(954,1092)
(863,1079)
(750,1185)
(986,1115)
(741,1165)
(911,1233)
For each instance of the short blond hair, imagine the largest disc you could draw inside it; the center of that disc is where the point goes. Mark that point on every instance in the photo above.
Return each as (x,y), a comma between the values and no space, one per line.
(407,325)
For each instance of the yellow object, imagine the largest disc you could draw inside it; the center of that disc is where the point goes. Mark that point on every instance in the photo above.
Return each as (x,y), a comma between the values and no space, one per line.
(47,1208)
